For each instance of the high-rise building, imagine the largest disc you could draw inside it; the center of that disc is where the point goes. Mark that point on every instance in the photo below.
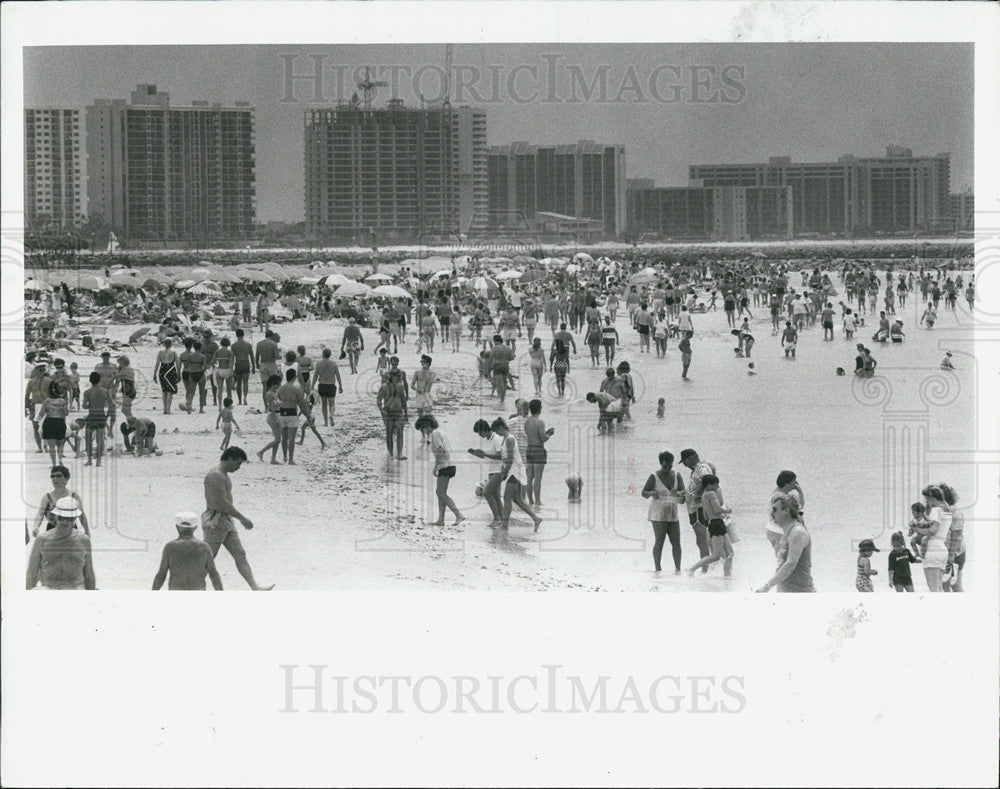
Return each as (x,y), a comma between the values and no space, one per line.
(962,209)
(408,174)
(719,213)
(53,196)
(895,193)
(156,172)
(584,180)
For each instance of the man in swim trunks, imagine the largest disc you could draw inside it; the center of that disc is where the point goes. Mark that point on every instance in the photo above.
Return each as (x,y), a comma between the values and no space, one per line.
(100,410)
(217,520)
(243,366)
(699,468)
(107,371)
(187,559)
(423,380)
(327,383)
(290,401)
(266,357)
(209,347)
(62,558)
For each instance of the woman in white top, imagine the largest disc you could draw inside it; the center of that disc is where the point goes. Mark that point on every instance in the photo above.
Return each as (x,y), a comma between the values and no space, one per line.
(513,471)
(936,529)
(665,490)
(444,468)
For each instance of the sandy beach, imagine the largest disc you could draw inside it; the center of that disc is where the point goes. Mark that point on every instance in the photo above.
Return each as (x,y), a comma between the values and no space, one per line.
(350,518)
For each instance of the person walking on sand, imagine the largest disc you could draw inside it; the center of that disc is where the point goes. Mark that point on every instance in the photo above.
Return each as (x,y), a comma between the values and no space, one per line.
(444,467)
(327,384)
(291,401)
(217,520)
(187,559)
(166,372)
(512,470)
(535,455)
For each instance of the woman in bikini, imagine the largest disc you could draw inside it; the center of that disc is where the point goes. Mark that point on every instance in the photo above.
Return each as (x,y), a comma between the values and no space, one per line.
(271,407)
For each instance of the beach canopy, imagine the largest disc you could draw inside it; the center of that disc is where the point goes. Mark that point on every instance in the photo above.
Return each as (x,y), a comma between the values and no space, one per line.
(393,291)
(582,257)
(206,288)
(378,278)
(510,274)
(352,288)
(36,285)
(184,284)
(90,282)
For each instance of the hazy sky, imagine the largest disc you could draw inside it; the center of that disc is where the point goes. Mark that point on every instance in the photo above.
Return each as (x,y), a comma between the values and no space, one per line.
(813,102)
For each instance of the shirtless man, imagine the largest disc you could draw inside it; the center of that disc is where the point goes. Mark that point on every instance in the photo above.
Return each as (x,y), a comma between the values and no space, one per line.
(62,558)
(187,559)
(266,358)
(423,380)
(217,520)
(291,400)
(327,383)
(243,366)
(100,410)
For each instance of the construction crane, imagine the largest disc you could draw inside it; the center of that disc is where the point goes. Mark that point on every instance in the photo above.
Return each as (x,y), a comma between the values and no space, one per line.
(367,87)
(447,74)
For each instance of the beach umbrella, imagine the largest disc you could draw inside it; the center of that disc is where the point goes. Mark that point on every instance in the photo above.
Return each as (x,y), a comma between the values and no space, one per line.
(137,334)
(334,280)
(352,288)
(198,274)
(308,280)
(317,264)
(582,257)
(532,275)
(441,274)
(552,262)
(184,284)
(36,285)
(525,260)
(91,282)
(510,274)
(378,278)
(462,261)
(206,288)
(123,280)
(223,275)
(483,285)
(394,291)
(249,275)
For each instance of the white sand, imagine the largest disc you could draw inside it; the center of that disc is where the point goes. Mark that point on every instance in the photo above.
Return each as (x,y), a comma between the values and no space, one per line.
(348,518)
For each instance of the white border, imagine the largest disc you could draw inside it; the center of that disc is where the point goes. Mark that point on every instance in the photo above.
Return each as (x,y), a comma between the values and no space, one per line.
(163,690)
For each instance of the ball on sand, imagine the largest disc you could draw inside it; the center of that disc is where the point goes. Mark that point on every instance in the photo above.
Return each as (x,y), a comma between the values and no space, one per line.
(480,488)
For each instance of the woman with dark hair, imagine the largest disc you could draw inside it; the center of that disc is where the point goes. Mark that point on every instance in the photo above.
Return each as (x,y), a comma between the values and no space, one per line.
(271,407)
(936,527)
(559,364)
(444,468)
(955,542)
(59,476)
(665,490)
(52,415)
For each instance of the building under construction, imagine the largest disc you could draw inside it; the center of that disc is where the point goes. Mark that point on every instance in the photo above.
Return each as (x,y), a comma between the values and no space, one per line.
(405,174)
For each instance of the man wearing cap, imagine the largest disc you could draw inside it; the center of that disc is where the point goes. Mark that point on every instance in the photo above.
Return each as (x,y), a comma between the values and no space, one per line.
(699,468)
(217,520)
(106,370)
(62,558)
(187,559)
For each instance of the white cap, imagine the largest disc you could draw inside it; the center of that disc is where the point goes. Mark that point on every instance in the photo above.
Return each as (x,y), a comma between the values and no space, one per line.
(191,519)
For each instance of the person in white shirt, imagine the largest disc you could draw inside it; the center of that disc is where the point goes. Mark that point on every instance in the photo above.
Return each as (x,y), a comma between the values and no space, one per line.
(444,467)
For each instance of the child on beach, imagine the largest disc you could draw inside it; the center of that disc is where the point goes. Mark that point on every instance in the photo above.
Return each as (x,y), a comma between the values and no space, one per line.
(714,509)
(74,375)
(863,583)
(900,559)
(917,542)
(684,346)
(661,407)
(228,422)
(382,366)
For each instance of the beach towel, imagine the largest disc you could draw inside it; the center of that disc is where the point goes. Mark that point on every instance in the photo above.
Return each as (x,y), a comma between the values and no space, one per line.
(168,378)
